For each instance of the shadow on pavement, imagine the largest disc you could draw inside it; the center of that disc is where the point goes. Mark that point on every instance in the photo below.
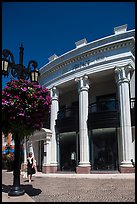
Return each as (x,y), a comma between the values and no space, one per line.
(28,189)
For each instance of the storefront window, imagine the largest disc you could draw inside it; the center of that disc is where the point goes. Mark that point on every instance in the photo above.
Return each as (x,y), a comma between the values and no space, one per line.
(104,143)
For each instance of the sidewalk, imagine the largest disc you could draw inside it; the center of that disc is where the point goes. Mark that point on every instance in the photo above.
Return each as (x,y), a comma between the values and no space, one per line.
(23,198)
(7,180)
(92,176)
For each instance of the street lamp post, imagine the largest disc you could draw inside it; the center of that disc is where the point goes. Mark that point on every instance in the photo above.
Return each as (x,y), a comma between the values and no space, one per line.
(19,71)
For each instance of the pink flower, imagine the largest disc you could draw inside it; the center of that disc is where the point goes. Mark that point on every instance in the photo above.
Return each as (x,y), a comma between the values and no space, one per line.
(24,89)
(24,102)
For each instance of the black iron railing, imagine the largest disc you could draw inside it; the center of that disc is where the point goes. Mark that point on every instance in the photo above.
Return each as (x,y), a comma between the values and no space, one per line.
(101,106)
(67,112)
(100,114)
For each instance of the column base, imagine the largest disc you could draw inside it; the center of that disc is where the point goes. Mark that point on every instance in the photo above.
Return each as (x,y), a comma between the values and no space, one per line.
(83,169)
(123,169)
(45,169)
(49,169)
(53,169)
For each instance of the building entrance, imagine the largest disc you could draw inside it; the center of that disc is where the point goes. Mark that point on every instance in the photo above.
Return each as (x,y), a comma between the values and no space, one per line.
(104,149)
(68,151)
(40,155)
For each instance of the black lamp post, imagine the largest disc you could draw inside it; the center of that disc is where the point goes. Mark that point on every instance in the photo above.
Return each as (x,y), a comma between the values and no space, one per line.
(19,71)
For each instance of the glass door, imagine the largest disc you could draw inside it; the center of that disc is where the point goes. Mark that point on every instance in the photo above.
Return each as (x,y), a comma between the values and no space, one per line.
(68,152)
(105,149)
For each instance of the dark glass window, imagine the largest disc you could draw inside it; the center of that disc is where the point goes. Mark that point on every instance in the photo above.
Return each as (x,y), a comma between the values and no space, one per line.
(106,102)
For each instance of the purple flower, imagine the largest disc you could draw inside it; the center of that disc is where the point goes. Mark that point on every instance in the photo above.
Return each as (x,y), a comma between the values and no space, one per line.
(27,108)
(24,89)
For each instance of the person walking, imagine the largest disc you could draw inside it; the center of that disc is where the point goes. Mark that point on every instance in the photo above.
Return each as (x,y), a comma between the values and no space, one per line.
(30,166)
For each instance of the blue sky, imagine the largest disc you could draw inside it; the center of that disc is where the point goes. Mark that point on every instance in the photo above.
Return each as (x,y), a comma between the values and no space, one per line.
(47,28)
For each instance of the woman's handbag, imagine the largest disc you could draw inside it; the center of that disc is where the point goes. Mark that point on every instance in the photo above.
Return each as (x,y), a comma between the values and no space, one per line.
(33,170)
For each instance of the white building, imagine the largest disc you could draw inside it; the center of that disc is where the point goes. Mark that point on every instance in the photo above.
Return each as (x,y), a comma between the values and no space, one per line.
(93,103)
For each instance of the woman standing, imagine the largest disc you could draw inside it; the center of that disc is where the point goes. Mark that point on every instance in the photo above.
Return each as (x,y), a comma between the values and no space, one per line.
(31,166)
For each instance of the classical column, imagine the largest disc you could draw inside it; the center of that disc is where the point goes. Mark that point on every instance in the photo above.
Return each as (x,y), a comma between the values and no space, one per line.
(47,154)
(25,160)
(54,111)
(84,164)
(122,78)
(25,151)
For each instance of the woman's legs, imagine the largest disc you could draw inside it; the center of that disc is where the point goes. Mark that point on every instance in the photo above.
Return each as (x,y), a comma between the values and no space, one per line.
(29,176)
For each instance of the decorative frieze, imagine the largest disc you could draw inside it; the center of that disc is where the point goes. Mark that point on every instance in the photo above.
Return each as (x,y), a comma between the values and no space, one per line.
(79,61)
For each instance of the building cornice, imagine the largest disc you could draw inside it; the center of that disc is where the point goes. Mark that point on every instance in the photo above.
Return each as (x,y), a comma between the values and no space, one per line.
(92,52)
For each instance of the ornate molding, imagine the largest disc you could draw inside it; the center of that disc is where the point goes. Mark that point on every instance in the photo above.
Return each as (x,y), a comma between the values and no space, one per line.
(93,52)
(83,83)
(54,93)
(122,73)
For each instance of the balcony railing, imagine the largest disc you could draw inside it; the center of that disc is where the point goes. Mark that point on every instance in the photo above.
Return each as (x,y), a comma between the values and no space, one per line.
(67,112)
(67,119)
(100,115)
(103,106)
(103,114)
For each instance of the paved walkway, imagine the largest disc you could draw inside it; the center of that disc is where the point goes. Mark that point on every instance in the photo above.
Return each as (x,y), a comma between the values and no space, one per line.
(72,188)
(23,198)
(92,176)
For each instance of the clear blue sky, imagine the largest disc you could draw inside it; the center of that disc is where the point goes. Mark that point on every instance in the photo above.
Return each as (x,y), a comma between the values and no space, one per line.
(47,28)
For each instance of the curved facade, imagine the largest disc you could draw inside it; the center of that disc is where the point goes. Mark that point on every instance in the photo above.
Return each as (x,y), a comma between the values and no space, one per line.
(93,101)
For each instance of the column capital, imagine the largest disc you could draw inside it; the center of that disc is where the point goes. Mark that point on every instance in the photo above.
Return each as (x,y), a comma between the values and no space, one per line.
(83,83)
(122,73)
(54,93)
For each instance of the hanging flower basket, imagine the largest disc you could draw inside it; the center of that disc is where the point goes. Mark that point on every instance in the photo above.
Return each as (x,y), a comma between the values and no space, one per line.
(24,107)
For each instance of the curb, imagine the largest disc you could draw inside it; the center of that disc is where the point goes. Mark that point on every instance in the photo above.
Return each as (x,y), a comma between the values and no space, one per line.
(90,176)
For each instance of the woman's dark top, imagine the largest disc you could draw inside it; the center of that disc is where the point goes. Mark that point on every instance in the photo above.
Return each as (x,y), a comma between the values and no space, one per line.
(30,165)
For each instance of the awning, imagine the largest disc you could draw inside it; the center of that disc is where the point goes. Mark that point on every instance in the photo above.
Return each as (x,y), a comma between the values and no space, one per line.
(41,134)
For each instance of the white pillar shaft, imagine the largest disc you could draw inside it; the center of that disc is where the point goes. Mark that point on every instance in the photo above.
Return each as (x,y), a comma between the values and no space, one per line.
(83,117)
(125,114)
(25,151)
(125,121)
(54,111)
